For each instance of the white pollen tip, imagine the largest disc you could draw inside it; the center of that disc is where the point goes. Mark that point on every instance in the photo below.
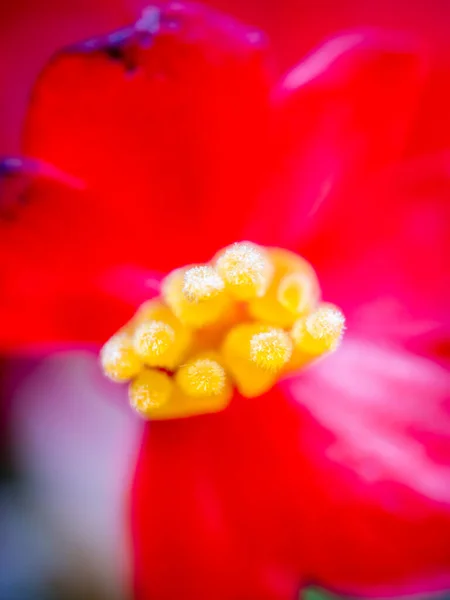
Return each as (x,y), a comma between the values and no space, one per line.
(327,322)
(153,338)
(202,283)
(246,269)
(271,350)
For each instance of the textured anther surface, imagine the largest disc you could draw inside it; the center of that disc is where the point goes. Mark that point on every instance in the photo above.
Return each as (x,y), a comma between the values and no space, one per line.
(240,322)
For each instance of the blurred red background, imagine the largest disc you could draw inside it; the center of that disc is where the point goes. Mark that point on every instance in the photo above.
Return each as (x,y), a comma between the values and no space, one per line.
(30,31)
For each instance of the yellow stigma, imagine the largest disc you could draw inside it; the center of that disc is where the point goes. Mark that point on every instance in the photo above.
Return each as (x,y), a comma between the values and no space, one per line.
(152,340)
(118,358)
(246,270)
(156,310)
(192,314)
(271,350)
(202,283)
(296,294)
(250,378)
(319,332)
(240,322)
(202,377)
(150,391)
(282,301)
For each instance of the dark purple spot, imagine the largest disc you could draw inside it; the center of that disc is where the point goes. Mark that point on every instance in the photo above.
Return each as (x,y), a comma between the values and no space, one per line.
(14,184)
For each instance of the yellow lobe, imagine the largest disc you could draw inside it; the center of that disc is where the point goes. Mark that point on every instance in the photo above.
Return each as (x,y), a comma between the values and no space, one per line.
(118,358)
(246,270)
(180,405)
(278,306)
(297,293)
(271,350)
(152,340)
(202,283)
(244,320)
(212,336)
(202,377)
(250,378)
(178,348)
(155,310)
(320,332)
(192,314)
(150,391)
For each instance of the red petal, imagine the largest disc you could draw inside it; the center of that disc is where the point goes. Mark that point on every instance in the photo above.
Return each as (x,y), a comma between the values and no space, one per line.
(374,467)
(342,114)
(382,254)
(340,476)
(209,509)
(166,121)
(50,272)
(41,29)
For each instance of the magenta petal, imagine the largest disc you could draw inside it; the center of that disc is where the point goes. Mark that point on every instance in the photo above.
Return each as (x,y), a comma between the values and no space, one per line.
(374,459)
(382,254)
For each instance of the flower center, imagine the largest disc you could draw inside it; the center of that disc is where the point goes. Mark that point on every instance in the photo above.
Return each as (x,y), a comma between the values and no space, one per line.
(241,322)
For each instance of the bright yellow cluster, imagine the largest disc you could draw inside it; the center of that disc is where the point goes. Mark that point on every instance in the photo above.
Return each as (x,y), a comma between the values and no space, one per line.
(243,321)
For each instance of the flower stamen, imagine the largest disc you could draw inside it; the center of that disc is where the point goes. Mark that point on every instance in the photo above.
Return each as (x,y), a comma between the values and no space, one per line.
(202,377)
(246,270)
(152,340)
(319,332)
(296,294)
(118,358)
(240,322)
(271,350)
(202,283)
(149,391)
(192,314)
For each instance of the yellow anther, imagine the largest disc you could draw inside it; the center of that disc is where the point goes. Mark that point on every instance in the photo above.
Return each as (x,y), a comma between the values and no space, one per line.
(326,324)
(250,379)
(320,332)
(271,350)
(192,314)
(202,377)
(181,405)
(155,310)
(296,293)
(211,336)
(118,358)
(246,270)
(153,340)
(177,350)
(275,307)
(150,391)
(202,283)
(243,321)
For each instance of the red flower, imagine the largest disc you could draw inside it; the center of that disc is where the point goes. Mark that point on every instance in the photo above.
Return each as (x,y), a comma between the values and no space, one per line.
(170,140)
